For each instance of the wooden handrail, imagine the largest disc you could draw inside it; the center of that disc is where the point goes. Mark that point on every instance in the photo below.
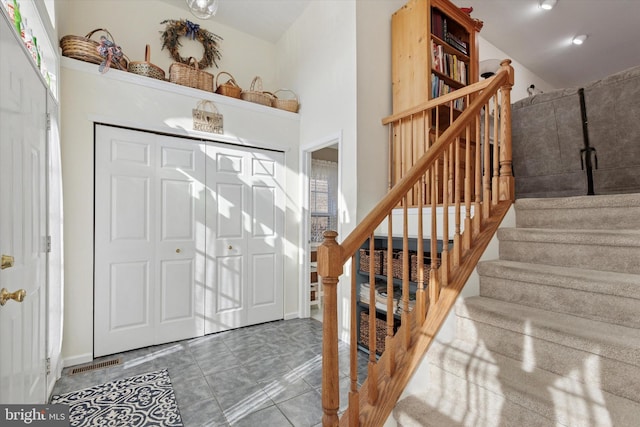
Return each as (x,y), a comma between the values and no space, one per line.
(435,159)
(359,234)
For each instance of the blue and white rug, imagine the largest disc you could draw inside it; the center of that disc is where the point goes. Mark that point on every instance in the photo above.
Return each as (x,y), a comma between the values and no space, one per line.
(142,400)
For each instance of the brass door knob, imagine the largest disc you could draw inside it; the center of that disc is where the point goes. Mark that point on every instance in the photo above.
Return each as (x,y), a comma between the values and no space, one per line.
(230,247)
(7,261)
(18,295)
(178,251)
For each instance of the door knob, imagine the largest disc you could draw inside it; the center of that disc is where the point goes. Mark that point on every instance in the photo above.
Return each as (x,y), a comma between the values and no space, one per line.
(230,247)
(7,261)
(178,251)
(18,295)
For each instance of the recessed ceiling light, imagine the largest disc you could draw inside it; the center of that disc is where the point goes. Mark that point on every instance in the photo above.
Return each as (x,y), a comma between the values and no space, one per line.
(579,39)
(547,4)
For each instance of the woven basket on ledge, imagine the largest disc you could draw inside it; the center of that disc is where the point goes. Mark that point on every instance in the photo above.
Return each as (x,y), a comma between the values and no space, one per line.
(146,68)
(255,93)
(190,75)
(229,88)
(85,49)
(288,104)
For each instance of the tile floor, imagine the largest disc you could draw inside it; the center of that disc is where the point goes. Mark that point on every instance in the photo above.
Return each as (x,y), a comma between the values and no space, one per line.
(263,375)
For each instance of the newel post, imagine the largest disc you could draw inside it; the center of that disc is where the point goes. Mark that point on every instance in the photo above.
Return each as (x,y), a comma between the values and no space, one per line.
(507,184)
(329,269)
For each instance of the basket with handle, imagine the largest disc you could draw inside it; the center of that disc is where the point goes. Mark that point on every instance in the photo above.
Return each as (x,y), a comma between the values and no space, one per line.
(86,49)
(190,75)
(288,104)
(229,88)
(207,120)
(256,94)
(146,68)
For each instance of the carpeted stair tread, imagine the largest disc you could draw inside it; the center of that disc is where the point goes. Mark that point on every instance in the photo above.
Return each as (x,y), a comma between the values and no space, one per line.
(614,376)
(604,282)
(601,338)
(433,409)
(595,212)
(604,296)
(535,389)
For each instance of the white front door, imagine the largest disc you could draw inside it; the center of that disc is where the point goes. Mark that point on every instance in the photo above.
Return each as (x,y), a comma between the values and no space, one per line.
(22,225)
(246,221)
(150,239)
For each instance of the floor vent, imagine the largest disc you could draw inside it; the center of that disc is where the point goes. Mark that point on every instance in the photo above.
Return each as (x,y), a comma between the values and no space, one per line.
(94,366)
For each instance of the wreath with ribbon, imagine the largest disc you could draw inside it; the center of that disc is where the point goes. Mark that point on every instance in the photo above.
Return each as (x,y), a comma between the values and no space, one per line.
(183,28)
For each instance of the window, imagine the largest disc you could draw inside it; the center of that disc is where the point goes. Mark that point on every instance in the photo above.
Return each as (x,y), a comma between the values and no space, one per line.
(322,198)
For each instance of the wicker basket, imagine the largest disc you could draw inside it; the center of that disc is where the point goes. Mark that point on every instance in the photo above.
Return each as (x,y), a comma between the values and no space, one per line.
(229,88)
(190,75)
(365,260)
(207,121)
(85,49)
(381,332)
(146,68)
(255,93)
(427,267)
(289,104)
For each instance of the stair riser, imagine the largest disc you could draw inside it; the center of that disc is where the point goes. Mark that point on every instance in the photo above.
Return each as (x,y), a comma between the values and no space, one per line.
(586,218)
(566,401)
(591,256)
(608,308)
(610,375)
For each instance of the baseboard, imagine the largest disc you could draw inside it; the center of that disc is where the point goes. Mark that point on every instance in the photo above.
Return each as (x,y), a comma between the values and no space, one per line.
(77,360)
(292,315)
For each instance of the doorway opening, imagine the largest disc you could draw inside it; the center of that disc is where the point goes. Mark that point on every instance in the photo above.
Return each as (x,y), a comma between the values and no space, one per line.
(321,188)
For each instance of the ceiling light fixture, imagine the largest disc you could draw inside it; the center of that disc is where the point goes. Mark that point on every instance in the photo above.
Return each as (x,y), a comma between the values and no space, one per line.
(547,4)
(579,39)
(203,9)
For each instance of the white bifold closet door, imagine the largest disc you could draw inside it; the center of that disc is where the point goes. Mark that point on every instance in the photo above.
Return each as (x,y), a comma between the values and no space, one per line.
(187,238)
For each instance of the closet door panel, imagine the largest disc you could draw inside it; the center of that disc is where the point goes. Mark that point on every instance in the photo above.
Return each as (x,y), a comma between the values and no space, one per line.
(148,213)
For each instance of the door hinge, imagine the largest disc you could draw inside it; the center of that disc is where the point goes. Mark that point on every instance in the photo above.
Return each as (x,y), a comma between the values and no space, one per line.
(48,244)
(48,365)
(48,121)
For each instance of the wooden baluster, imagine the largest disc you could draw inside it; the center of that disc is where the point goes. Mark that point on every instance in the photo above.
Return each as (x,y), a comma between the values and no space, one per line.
(372,369)
(420,296)
(411,159)
(391,157)
(354,397)
(468,180)
(507,185)
(330,268)
(495,184)
(426,135)
(486,171)
(444,267)
(456,201)
(434,285)
(390,293)
(477,213)
(439,182)
(450,176)
(406,338)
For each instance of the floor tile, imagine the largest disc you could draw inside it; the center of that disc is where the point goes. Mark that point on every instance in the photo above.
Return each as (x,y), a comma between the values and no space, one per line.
(263,375)
(206,413)
(304,410)
(270,416)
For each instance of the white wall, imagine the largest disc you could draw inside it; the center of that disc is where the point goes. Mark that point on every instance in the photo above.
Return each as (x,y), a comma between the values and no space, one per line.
(135,23)
(522,76)
(118,98)
(317,55)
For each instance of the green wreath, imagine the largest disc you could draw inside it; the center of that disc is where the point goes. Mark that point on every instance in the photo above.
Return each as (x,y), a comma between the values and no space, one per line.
(184,28)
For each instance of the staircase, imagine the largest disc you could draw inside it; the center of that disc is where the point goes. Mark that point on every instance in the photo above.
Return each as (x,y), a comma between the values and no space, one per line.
(554,337)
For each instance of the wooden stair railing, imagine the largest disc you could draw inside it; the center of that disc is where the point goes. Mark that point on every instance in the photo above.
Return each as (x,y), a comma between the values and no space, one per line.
(433,177)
